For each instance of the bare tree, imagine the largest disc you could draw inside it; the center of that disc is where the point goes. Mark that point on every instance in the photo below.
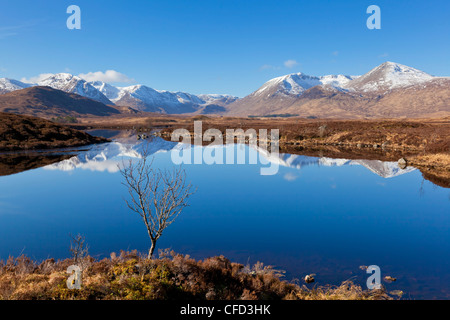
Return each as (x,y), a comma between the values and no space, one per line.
(79,250)
(158,196)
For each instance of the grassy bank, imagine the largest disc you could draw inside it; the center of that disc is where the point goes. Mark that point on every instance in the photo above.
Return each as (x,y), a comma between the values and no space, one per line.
(19,132)
(430,136)
(171,276)
(434,167)
(392,136)
(424,143)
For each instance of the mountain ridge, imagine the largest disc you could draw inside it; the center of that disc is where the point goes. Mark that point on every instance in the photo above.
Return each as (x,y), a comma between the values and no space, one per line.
(72,84)
(139,97)
(388,90)
(8,85)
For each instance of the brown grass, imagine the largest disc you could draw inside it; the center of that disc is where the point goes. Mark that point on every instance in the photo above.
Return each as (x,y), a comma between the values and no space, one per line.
(421,141)
(418,135)
(172,276)
(434,167)
(24,133)
(11,163)
(428,136)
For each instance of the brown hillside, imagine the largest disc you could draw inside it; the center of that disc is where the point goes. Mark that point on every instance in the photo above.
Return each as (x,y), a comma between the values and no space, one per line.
(19,132)
(428,100)
(45,102)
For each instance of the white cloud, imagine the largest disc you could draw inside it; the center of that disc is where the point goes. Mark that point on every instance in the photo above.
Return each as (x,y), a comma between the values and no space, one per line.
(36,79)
(290,63)
(335,53)
(107,76)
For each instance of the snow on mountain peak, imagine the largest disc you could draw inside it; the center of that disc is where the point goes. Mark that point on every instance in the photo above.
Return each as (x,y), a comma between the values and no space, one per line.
(292,84)
(73,84)
(59,79)
(297,83)
(337,81)
(8,85)
(108,90)
(214,98)
(148,99)
(388,76)
(385,77)
(381,79)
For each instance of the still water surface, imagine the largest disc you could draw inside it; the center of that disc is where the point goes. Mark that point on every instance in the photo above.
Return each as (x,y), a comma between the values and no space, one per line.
(317,215)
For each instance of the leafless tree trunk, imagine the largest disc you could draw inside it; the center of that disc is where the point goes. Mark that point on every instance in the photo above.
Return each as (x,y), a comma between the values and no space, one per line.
(158,196)
(79,250)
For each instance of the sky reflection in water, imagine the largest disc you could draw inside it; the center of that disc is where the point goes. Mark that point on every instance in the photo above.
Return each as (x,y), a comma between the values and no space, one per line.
(317,215)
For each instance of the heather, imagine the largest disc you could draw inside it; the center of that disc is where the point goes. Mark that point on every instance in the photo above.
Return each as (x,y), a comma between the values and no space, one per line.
(171,276)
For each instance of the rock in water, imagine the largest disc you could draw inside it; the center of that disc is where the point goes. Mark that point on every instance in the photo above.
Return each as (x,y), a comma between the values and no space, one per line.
(310,278)
(390,279)
(402,163)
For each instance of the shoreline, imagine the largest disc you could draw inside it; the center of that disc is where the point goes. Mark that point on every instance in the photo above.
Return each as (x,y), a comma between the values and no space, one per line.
(26,133)
(131,276)
(423,143)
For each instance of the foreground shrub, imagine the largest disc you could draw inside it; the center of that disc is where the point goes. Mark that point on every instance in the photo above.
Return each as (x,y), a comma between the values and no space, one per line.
(171,277)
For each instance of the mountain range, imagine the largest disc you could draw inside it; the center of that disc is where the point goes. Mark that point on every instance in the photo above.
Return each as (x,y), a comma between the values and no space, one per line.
(390,90)
(138,97)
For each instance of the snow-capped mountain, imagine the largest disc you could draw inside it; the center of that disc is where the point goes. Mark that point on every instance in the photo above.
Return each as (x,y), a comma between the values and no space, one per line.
(221,99)
(8,85)
(291,84)
(109,91)
(388,76)
(148,99)
(390,90)
(277,94)
(139,97)
(296,83)
(144,98)
(73,84)
(336,81)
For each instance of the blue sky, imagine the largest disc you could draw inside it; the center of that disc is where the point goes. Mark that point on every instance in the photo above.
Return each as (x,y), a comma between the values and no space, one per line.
(217,46)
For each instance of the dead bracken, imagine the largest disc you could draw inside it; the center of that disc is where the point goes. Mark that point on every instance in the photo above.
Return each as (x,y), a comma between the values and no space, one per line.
(132,276)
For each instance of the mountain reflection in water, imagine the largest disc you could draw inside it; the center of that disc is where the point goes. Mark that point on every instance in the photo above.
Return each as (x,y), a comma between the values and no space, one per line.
(317,215)
(107,157)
